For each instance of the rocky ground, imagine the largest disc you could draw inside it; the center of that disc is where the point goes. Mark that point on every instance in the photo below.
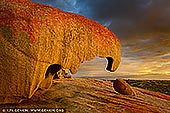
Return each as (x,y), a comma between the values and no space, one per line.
(96,96)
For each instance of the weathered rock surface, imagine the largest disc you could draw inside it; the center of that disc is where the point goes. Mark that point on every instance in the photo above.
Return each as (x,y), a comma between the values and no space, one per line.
(95,96)
(34,36)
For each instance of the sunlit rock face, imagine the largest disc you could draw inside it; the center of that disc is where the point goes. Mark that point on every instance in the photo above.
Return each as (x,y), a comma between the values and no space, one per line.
(34,36)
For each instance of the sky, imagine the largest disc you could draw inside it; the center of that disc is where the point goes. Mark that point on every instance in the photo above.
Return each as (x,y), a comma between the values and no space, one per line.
(143,26)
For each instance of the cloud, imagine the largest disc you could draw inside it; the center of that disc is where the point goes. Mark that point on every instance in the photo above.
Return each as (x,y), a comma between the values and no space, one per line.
(150,52)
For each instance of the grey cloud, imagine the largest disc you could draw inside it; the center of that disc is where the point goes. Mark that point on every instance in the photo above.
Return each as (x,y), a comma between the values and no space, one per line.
(148,46)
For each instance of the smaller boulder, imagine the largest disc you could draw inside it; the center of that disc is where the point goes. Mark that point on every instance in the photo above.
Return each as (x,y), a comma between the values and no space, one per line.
(123,87)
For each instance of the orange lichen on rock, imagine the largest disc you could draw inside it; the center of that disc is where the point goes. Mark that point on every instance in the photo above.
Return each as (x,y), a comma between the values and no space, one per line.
(36,36)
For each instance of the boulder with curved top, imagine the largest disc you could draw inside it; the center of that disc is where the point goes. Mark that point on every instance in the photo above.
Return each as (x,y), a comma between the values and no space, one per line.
(33,37)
